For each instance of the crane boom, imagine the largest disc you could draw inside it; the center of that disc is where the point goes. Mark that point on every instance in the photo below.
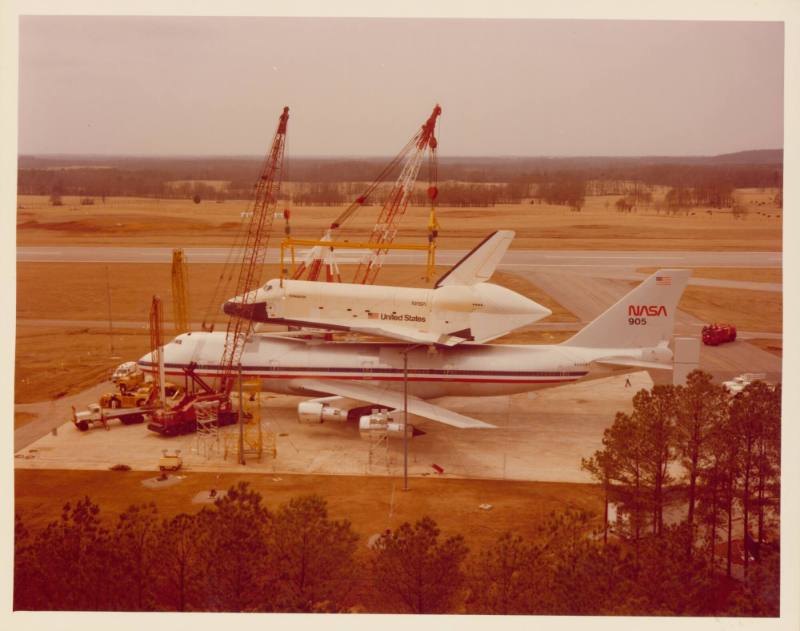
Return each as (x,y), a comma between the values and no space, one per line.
(156,346)
(255,248)
(393,209)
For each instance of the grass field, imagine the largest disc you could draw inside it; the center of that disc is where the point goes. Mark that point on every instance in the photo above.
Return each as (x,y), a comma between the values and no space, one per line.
(372,504)
(771,346)
(598,226)
(747,310)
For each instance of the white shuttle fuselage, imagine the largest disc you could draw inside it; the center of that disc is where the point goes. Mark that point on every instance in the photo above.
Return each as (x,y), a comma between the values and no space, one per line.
(461,307)
(445,315)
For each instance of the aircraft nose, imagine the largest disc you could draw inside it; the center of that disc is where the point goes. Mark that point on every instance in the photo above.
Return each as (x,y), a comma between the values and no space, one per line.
(146,362)
(256,311)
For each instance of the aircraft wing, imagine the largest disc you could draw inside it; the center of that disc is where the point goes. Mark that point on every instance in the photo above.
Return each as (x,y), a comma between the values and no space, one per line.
(633,363)
(392,399)
(410,335)
(405,334)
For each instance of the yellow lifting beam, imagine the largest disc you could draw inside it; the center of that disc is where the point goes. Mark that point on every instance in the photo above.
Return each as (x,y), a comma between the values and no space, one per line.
(290,243)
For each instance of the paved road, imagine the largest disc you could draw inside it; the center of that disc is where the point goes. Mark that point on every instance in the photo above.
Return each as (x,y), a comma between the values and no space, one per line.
(513,258)
(51,415)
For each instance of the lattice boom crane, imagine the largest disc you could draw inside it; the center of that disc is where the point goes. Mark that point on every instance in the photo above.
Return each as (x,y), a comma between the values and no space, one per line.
(393,209)
(255,249)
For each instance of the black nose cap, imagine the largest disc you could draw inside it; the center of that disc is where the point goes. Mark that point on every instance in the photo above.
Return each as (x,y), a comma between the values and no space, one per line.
(256,311)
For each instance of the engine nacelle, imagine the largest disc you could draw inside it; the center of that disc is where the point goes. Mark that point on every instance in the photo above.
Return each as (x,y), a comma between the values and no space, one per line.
(382,422)
(318,411)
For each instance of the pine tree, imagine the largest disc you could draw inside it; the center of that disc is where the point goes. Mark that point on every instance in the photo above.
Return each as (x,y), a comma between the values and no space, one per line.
(413,571)
(311,557)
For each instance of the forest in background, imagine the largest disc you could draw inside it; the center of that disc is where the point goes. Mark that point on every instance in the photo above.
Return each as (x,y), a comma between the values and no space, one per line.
(708,181)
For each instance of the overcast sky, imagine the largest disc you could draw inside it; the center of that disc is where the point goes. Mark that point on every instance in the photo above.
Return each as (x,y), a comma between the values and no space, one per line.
(215,86)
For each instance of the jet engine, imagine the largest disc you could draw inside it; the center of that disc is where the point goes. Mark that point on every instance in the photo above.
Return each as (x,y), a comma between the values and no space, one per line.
(320,411)
(381,422)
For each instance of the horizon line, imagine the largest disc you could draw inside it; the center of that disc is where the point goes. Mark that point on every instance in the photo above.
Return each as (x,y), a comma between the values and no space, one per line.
(250,156)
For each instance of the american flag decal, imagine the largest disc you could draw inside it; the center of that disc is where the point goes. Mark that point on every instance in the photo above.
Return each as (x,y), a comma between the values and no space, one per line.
(374,316)
(663,280)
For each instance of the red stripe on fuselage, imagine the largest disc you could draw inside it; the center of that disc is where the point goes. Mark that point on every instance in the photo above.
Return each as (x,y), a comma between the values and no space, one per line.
(366,377)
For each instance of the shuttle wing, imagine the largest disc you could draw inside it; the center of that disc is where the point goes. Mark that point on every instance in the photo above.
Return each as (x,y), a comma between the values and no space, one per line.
(394,400)
(410,335)
(406,334)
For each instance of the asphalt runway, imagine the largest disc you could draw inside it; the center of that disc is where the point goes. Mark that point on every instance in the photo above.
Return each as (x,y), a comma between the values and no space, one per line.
(513,258)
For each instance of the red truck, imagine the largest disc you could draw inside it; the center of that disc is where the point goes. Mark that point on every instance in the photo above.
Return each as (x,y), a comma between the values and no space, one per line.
(716,334)
(182,418)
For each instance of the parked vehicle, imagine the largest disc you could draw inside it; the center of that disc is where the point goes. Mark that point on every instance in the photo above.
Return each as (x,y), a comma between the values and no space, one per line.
(716,334)
(97,415)
(128,377)
(182,418)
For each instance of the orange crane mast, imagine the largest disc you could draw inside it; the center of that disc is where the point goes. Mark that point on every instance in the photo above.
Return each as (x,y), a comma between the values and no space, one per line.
(254,252)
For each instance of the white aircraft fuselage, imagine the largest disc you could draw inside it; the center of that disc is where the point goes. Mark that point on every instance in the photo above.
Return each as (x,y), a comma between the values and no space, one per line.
(284,364)
(633,334)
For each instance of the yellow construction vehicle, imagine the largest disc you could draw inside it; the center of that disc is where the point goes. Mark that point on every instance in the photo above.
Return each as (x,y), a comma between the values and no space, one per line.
(128,377)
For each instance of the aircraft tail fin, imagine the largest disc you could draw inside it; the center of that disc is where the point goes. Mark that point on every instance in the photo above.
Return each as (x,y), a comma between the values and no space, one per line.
(479,264)
(645,317)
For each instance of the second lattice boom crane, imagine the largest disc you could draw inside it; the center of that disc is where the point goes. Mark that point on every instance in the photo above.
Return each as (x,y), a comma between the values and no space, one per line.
(394,207)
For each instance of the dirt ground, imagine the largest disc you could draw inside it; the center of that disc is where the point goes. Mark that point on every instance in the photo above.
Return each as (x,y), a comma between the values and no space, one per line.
(372,504)
(598,226)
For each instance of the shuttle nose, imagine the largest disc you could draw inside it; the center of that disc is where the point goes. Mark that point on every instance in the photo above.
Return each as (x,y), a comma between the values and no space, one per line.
(256,311)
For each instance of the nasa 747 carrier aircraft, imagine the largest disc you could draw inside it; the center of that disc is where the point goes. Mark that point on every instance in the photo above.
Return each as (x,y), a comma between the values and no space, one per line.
(353,378)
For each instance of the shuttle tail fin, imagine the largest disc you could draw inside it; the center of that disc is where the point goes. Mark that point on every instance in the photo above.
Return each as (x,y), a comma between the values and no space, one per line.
(479,264)
(645,317)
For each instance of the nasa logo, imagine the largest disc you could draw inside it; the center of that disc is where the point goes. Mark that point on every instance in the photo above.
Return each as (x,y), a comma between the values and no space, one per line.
(646,310)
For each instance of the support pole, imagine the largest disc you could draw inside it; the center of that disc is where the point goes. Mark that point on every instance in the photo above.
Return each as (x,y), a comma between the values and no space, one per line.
(405,413)
(405,420)
(241,425)
(162,378)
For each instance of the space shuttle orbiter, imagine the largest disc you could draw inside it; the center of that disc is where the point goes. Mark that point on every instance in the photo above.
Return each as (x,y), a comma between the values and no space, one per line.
(460,307)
